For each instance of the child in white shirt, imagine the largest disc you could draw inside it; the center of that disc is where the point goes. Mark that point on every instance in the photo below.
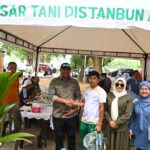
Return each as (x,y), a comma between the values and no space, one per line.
(94,98)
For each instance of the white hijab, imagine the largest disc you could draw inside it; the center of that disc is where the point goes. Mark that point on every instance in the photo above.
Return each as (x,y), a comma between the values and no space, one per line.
(114,105)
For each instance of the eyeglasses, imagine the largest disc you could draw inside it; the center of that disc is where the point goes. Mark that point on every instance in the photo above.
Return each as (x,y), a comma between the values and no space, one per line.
(119,84)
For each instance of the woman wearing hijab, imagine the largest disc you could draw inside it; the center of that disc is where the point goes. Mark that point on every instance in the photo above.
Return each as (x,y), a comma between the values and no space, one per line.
(117,114)
(140,118)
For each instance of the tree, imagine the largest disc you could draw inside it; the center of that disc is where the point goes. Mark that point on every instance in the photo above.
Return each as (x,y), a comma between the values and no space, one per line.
(27,55)
(76,61)
(97,63)
(47,57)
(81,74)
(19,52)
(107,60)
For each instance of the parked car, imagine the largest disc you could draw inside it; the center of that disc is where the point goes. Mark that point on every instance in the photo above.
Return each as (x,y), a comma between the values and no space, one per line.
(45,68)
(75,73)
(120,72)
(88,70)
(53,68)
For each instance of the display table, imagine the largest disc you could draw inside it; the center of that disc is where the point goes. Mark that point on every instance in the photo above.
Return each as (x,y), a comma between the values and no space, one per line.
(46,113)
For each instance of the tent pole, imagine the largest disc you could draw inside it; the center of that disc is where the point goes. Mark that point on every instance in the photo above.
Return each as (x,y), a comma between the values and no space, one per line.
(84,65)
(37,59)
(145,66)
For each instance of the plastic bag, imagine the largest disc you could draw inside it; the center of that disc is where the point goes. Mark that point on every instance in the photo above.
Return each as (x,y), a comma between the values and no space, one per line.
(94,141)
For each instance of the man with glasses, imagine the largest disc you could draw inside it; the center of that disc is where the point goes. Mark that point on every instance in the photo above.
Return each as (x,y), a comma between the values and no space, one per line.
(63,91)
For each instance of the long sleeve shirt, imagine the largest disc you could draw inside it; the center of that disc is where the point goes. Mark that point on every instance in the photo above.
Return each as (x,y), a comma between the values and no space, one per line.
(67,89)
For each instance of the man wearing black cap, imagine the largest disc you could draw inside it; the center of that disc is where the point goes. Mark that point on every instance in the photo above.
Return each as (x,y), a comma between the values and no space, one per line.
(63,91)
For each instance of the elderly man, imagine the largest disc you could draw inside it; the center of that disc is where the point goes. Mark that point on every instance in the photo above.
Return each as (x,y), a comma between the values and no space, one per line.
(64,90)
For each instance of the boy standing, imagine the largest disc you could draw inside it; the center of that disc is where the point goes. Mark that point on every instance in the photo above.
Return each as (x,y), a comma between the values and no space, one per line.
(94,98)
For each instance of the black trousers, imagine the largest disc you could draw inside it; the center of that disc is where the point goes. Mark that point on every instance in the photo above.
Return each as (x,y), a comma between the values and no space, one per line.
(65,126)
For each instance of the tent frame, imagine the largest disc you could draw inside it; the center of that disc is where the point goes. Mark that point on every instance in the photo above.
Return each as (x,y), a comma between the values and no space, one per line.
(13,39)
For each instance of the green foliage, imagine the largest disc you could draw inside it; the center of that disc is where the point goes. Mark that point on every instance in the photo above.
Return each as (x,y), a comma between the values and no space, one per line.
(107,60)
(19,52)
(123,63)
(16,136)
(76,61)
(6,80)
(46,57)
(27,55)
(3,79)
(4,109)
(89,61)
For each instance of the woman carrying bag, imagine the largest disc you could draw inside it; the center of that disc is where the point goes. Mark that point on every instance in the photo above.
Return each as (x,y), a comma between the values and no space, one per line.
(140,119)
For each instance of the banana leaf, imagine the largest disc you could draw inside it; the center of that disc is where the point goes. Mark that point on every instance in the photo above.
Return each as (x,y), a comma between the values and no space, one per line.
(6,80)
(16,136)
(3,81)
(4,109)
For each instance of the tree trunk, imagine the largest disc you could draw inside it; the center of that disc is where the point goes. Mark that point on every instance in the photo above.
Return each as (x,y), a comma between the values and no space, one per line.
(81,74)
(97,63)
(30,60)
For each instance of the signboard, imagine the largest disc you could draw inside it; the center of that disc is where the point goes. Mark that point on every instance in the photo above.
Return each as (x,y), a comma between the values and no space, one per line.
(81,13)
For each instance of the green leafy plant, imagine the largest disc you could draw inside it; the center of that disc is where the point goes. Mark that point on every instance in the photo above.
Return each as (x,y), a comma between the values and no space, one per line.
(6,80)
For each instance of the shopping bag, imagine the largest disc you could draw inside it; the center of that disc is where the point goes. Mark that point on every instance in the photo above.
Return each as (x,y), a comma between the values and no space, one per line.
(94,141)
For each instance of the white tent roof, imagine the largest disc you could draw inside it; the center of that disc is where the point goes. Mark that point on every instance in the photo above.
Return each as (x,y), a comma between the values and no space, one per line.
(102,28)
(77,40)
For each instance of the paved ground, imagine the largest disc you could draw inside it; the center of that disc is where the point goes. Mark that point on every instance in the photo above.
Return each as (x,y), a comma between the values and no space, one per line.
(50,144)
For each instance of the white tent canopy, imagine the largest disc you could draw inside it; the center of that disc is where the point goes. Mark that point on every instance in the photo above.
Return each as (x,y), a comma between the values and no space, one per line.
(75,27)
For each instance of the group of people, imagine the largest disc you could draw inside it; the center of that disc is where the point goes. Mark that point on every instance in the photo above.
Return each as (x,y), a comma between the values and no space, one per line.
(121,118)
(29,90)
(116,113)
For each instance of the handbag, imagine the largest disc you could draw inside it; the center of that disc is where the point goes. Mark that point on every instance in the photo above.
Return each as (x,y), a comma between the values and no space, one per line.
(147,124)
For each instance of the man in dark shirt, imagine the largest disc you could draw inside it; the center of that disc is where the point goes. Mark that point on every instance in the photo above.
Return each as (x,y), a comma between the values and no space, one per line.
(134,82)
(63,91)
(105,82)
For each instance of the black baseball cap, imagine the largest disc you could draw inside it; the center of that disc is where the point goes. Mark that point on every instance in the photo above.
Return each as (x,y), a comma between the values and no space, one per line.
(65,66)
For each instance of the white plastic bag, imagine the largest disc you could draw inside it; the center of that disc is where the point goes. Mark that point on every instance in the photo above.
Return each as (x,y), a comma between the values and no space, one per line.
(94,141)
